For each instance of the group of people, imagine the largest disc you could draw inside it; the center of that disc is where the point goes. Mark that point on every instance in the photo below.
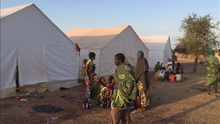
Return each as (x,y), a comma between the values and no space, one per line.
(121,90)
(170,72)
(102,93)
(128,84)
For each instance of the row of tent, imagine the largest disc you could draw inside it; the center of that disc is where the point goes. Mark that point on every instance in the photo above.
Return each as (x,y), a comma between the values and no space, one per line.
(48,59)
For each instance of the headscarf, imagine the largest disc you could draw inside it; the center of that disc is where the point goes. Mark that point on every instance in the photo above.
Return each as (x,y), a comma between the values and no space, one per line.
(141,52)
(211,52)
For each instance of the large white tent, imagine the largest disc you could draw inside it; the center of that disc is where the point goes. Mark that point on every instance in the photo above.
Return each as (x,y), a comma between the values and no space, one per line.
(159,49)
(106,43)
(46,57)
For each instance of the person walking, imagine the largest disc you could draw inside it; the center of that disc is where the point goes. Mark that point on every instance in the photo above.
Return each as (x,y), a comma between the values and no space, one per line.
(212,66)
(218,56)
(125,91)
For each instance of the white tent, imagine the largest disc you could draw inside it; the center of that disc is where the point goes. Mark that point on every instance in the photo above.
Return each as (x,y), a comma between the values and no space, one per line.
(159,49)
(106,43)
(46,57)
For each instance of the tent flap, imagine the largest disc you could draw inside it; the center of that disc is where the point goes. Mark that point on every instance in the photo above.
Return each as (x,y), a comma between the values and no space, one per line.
(31,70)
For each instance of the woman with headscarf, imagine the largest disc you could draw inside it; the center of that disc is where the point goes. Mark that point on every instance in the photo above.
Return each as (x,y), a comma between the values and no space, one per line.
(212,66)
(142,79)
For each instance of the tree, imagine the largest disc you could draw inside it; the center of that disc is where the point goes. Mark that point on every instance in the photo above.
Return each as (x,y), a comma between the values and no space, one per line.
(199,36)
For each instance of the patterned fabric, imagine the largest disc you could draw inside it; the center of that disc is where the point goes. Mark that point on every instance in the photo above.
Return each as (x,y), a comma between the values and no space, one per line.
(84,70)
(88,89)
(91,70)
(91,78)
(144,98)
(89,62)
(96,92)
(127,90)
(218,57)
(212,66)
(105,97)
(141,74)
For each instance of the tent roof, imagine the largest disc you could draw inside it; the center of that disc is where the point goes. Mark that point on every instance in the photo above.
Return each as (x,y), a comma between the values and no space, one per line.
(155,42)
(12,10)
(9,11)
(94,38)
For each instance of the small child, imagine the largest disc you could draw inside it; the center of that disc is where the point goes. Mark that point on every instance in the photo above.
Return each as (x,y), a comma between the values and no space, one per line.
(162,73)
(178,76)
(169,65)
(111,80)
(172,77)
(106,95)
(179,67)
(84,67)
(95,93)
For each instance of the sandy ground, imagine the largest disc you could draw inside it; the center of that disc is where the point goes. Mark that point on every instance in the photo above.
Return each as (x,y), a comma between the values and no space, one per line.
(183,102)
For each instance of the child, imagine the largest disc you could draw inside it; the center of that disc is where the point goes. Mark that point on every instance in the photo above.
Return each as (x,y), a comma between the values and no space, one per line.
(95,93)
(84,67)
(172,77)
(162,73)
(106,95)
(178,76)
(179,67)
(111,80)
(169,65)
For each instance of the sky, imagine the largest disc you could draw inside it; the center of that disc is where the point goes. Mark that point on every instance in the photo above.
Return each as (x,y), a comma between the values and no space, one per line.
(146,17)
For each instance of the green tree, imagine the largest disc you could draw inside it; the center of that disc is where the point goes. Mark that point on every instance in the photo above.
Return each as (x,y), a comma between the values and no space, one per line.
(199,36)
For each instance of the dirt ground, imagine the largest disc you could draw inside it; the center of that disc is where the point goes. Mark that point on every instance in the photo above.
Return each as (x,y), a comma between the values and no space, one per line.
(184,102)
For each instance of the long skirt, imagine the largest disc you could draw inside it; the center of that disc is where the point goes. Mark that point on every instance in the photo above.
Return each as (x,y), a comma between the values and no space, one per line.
(88,89)
(212,80)
(144,98)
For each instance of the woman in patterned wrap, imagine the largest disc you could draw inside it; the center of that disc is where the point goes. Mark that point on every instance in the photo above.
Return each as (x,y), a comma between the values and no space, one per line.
(142,79)
(89,77)
(212,66)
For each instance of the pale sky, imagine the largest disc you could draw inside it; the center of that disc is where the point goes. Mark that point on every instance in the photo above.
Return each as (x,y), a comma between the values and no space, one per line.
(147,17)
